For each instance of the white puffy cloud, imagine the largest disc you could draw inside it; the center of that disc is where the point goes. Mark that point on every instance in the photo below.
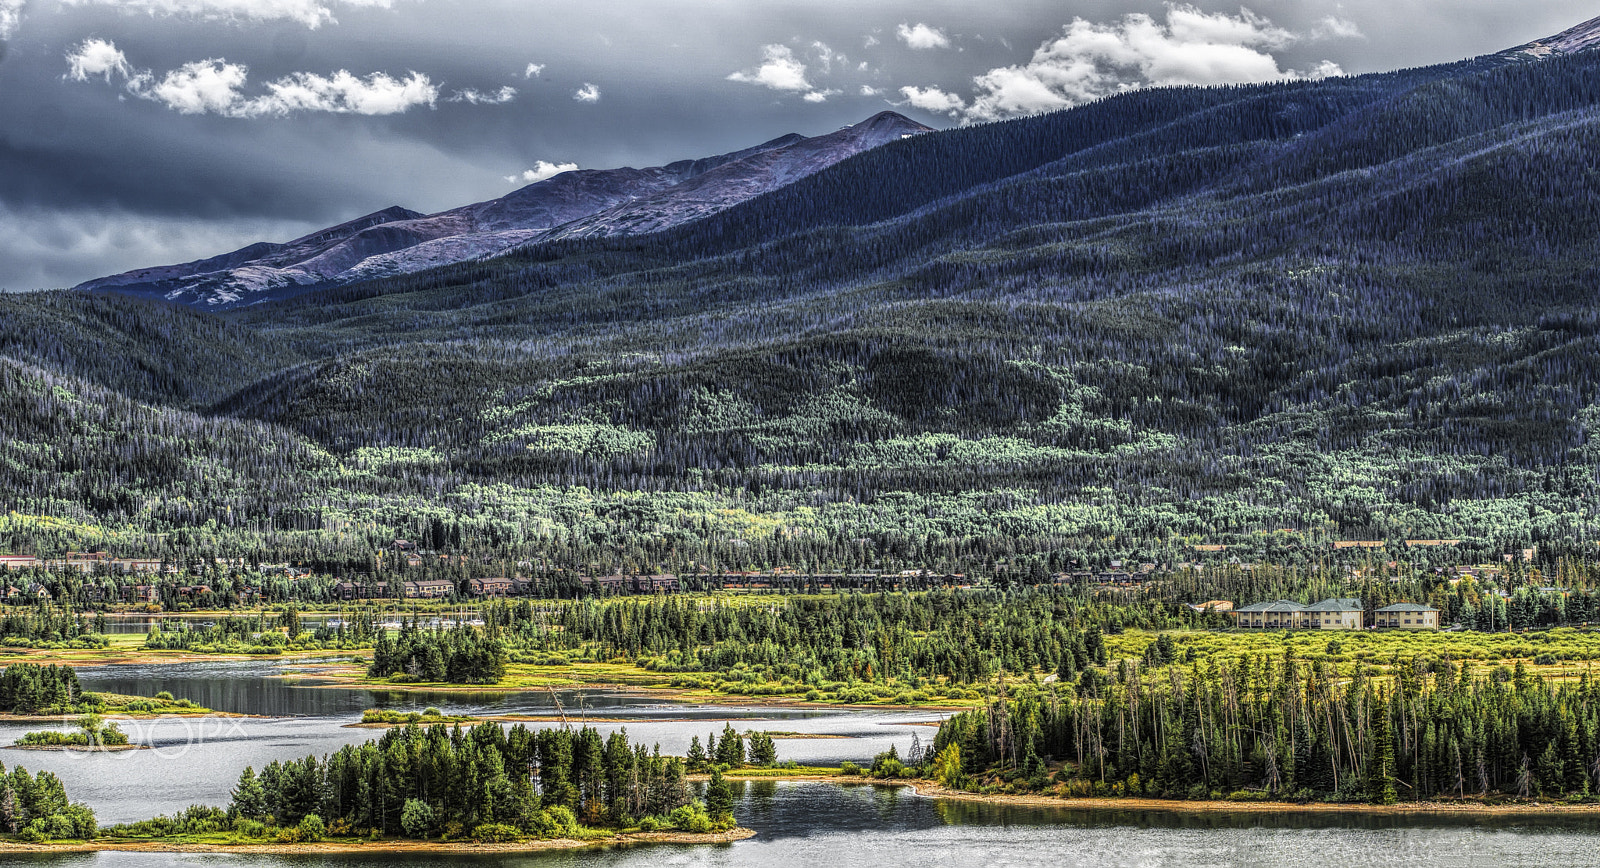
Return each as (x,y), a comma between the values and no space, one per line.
(199,87)
(10,16)
(540,171)
(533,70)
(311,13)
(921,36)
(933,99)
(779,70)
(342,93)
(477,97)
(1089,61)
(587,93)
(869,90)
(215,86)
(97,57)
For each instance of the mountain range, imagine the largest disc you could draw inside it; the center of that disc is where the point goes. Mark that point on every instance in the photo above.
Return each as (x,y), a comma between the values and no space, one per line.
(1264,316)
(575,204)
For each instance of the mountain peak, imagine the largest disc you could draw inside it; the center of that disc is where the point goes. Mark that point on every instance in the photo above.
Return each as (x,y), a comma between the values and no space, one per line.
(886,120)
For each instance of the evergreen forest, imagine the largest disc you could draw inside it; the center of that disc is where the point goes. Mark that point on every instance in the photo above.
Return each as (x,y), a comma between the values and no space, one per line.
(1269,316)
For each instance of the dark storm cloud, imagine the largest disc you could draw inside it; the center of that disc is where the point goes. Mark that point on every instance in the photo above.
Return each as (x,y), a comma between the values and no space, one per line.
(103,174)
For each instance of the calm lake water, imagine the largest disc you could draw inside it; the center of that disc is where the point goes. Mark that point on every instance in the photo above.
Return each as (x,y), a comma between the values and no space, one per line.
(199,760)
(798,824)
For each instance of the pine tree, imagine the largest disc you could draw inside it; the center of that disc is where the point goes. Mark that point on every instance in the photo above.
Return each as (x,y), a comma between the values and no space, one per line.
(730,748)
(719,798)
(249,799)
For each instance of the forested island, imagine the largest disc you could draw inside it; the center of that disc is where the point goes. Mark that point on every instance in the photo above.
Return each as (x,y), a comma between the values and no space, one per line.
(447,785)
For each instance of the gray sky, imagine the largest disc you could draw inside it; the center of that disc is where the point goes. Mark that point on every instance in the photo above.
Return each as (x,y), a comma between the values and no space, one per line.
(145,132)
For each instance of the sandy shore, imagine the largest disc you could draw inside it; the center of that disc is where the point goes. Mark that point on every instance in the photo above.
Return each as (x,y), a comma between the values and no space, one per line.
(378,846)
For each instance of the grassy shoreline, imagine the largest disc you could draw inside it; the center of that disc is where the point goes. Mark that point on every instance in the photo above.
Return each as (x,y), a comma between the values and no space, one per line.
(934,790)
(528,678)
(361,845)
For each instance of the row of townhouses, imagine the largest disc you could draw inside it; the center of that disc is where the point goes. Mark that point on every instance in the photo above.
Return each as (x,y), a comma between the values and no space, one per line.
(1339,613)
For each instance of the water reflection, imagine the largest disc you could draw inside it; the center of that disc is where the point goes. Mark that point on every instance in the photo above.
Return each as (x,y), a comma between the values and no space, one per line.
(255,687)
(798,823)
(809,824)
(269,687)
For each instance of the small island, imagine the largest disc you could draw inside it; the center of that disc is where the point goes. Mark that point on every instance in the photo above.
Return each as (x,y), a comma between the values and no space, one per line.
(94,733)
(417,788)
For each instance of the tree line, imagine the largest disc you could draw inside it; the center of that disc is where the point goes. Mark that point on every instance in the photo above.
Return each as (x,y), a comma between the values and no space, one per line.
(1277,727)
(486,781)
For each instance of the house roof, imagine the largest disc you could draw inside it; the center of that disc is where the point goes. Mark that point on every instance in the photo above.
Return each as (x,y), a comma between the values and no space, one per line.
(1274,606)
(1408,607)
(1336,604)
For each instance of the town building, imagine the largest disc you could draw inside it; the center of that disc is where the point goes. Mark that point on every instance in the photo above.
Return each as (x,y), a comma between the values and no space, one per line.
(1406,616)
(495,587)
(430,588)
(1276,615)
(1339,613)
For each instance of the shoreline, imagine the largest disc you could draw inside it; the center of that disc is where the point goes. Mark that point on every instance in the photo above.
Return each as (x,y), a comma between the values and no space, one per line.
(400,846)
(336,680)
(930,789)
(1106,804)
(154,715)
(79,748)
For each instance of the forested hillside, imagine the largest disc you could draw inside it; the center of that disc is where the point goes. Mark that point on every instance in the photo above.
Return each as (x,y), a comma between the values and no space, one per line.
(1269,316)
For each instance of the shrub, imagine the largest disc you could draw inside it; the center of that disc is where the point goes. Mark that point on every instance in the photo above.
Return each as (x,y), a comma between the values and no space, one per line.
(312,828)
(496,833)
(556,821)
(691,818)
(164,696)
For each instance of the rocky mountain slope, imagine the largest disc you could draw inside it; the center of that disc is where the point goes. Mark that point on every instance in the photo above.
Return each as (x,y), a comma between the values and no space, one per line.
(1580,38)
(585,203)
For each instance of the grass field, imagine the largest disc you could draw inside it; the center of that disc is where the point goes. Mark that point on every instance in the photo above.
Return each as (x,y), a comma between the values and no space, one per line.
(1562,653)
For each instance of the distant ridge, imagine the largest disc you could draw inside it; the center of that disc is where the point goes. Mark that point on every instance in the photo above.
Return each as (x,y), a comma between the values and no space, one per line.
(578,204)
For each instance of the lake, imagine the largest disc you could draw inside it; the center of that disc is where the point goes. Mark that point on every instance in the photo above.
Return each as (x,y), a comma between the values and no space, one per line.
(798,824)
